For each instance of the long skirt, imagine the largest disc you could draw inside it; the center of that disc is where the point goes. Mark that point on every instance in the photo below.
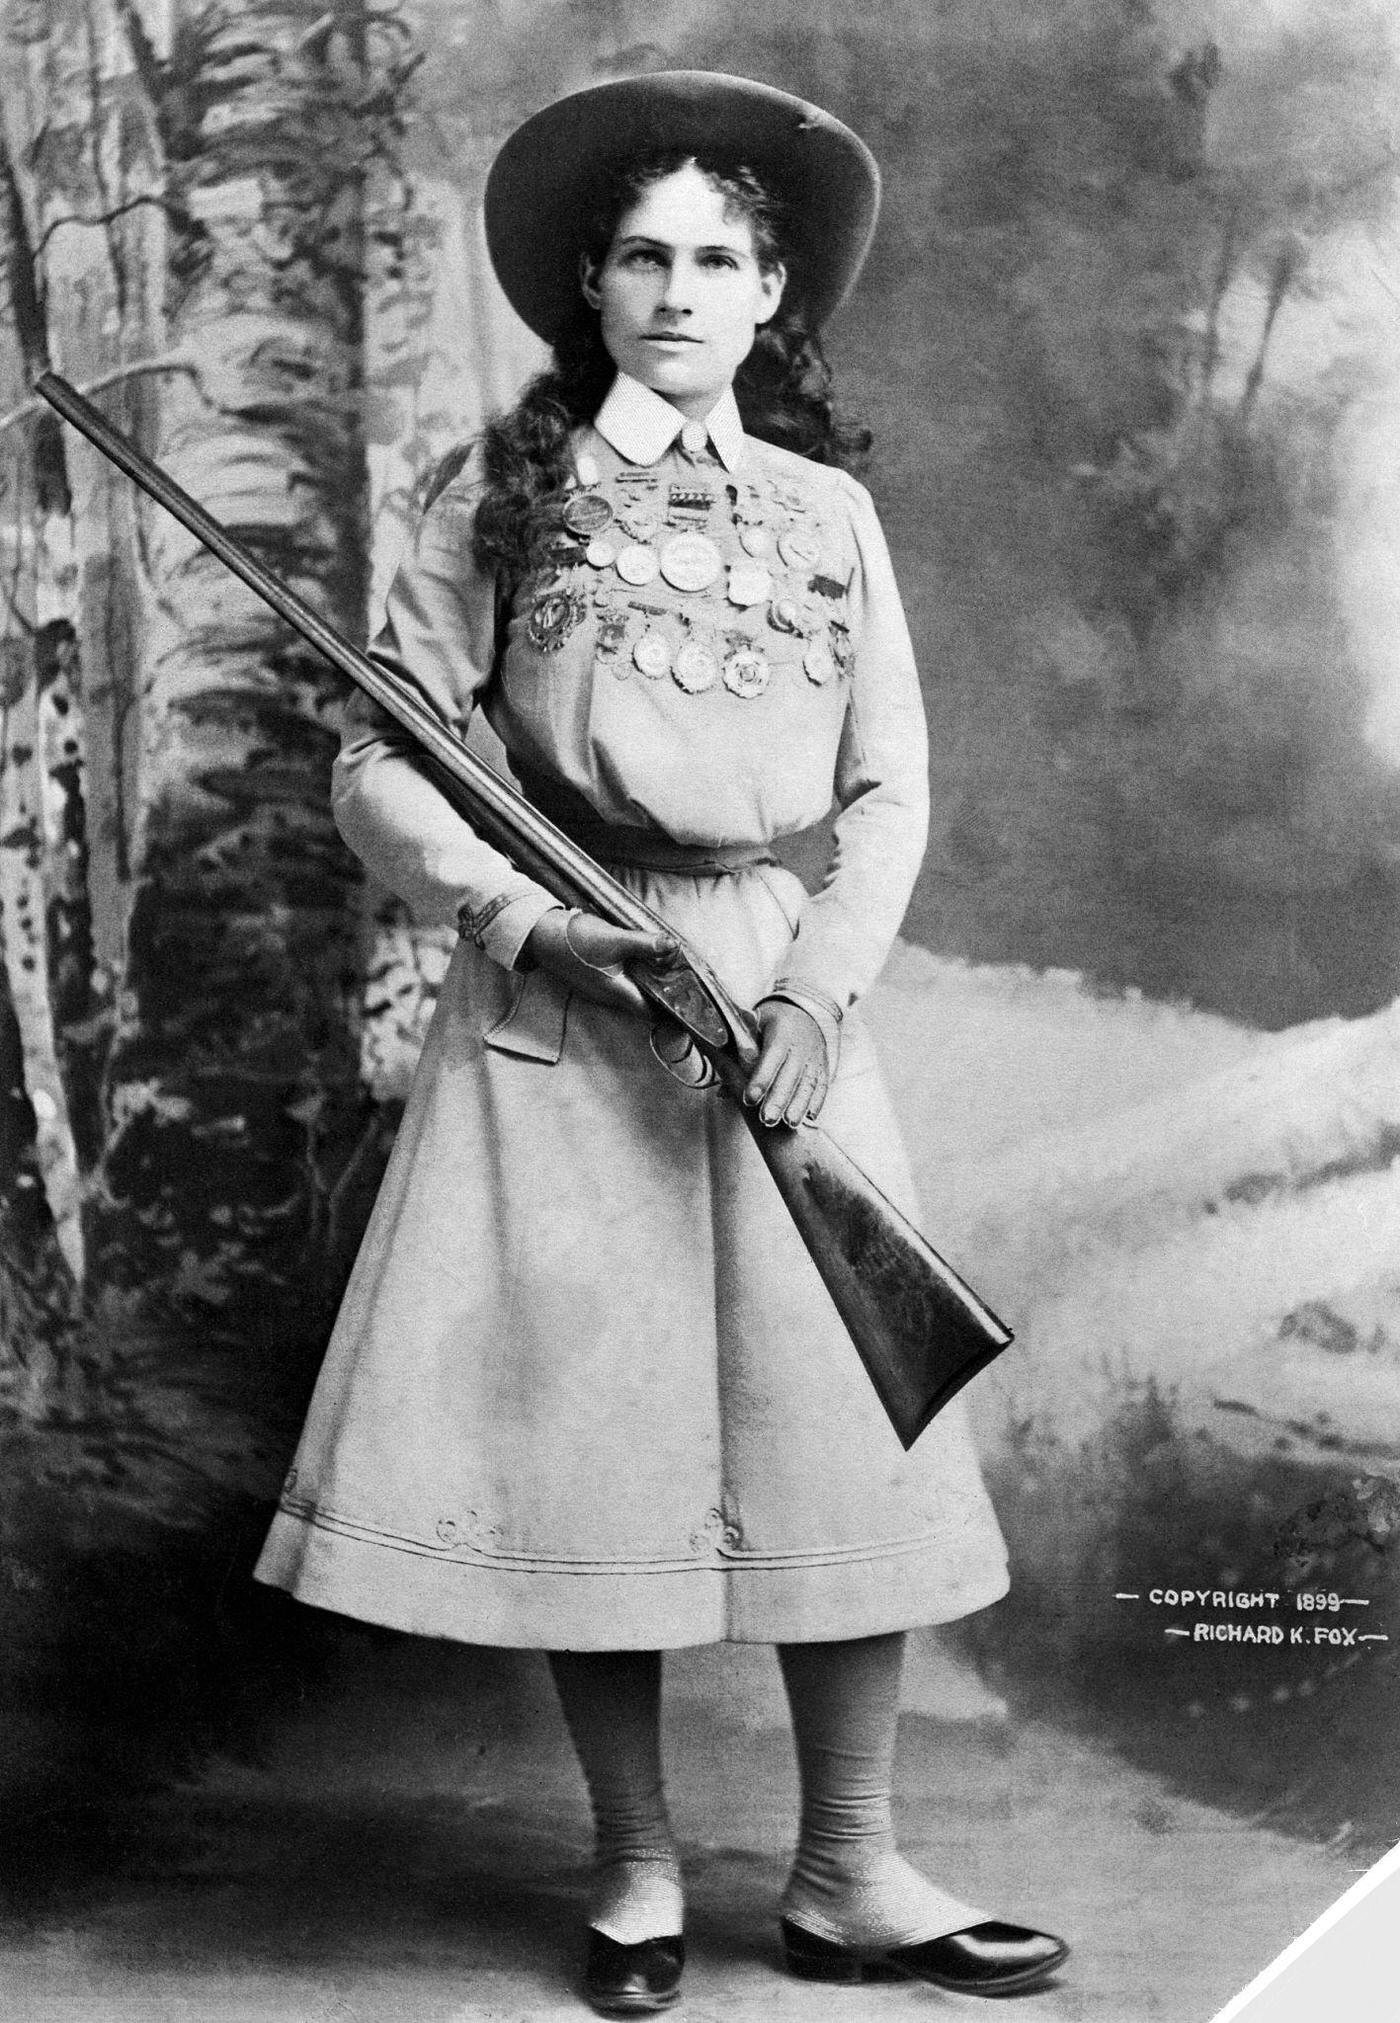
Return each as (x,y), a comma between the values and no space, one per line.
(586,1390)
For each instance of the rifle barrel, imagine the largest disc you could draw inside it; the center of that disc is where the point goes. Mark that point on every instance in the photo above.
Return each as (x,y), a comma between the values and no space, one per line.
(594,887)
(919,1328)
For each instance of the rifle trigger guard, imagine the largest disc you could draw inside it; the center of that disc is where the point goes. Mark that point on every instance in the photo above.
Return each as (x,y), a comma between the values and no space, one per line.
(692,1069)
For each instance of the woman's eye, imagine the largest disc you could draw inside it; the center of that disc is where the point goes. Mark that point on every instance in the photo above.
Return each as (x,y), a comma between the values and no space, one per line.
(643,256)
(720,260)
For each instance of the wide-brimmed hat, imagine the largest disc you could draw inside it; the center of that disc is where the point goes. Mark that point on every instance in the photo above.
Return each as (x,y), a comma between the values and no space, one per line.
(544,182)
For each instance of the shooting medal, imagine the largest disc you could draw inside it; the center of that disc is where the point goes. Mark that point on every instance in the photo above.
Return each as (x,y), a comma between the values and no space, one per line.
(757,540)
(637,564)
(799,548)
(635,503)
(586,466)
(562,547)
(600,552)
(586,514)
(688,505)
(696,666)
(785,614)
(749,583)
(691,562)
(746,672)
(819,662)
(636,522)
(652,654)
(612,637)
(553,617)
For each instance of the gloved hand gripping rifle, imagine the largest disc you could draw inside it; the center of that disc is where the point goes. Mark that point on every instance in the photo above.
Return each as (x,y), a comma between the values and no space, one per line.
(920,1330)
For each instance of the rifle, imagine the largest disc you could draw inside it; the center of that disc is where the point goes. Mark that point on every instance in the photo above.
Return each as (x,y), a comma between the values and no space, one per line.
(920,1330)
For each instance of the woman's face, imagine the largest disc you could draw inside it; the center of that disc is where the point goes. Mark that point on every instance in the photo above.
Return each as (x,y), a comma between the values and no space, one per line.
(680,292)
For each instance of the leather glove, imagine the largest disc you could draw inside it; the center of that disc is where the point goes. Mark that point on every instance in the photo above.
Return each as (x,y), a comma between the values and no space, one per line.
(586,954)
(792,1073)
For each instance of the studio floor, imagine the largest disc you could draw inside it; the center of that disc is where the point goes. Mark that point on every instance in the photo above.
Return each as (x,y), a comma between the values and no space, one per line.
(405,1865)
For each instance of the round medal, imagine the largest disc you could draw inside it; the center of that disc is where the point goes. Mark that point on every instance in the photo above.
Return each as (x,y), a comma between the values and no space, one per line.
(746,672)
(695,668)
(601,553)
(691,562)
(786,615)
(749,583)
(799,549)
(586,514)
(818,661)
(757,541)
(637,564)
(587,468)
(652,654)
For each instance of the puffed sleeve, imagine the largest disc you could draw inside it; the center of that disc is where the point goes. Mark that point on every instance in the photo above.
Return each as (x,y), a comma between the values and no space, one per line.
(881,787)
(438,637)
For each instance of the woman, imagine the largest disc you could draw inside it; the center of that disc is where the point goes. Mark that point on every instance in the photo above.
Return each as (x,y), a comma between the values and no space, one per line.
(586,1392)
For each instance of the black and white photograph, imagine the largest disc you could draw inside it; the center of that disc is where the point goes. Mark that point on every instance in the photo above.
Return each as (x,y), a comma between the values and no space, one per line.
(699,1005)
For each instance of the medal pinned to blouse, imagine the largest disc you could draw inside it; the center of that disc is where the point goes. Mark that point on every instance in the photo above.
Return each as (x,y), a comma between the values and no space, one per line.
(635,508)
(561,547)
(757,541)
(691,562)
(688,505)
(637,564)
(818,661)
(587,514)
(696,666)
(746,671)
(636,522)
(612,637)
(553,617)
(749,583)
(652,654)
(785,614)
(799,549)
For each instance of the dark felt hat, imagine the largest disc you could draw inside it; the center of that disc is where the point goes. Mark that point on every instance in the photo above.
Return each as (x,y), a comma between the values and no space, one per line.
(544,181)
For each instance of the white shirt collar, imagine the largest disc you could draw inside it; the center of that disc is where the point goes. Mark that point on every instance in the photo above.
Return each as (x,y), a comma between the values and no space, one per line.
(641,425)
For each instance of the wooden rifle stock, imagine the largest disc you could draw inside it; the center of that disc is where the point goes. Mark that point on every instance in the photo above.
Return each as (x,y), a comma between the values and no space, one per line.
(920,1330)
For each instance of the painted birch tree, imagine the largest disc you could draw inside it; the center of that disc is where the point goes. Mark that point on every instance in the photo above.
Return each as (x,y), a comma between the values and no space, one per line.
(187,192)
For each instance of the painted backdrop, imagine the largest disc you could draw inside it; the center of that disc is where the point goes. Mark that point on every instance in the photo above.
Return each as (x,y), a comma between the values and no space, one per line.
(1130,344)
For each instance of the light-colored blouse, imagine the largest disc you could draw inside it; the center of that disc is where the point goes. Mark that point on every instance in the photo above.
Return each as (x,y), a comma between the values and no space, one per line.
(709,647)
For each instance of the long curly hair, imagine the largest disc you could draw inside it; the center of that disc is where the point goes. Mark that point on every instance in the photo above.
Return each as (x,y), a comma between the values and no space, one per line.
(783,388)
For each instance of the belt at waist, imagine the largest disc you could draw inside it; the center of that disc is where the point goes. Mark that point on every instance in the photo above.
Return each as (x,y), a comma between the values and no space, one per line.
(644,849)
(649,850)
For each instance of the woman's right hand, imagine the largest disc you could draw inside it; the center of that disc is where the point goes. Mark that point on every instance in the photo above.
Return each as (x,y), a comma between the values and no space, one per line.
(586,954)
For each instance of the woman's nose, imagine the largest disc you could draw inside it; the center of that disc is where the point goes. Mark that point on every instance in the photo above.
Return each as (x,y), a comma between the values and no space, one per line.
(677,293)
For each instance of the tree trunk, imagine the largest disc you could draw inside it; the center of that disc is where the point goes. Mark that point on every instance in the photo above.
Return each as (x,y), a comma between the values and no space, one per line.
(233,1083)
(182,925)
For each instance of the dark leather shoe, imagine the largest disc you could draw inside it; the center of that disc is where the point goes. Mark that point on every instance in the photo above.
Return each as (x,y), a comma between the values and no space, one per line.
(632,1980)
(985,1959)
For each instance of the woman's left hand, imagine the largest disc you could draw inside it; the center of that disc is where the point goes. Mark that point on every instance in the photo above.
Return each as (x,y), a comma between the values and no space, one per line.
(792,1073)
